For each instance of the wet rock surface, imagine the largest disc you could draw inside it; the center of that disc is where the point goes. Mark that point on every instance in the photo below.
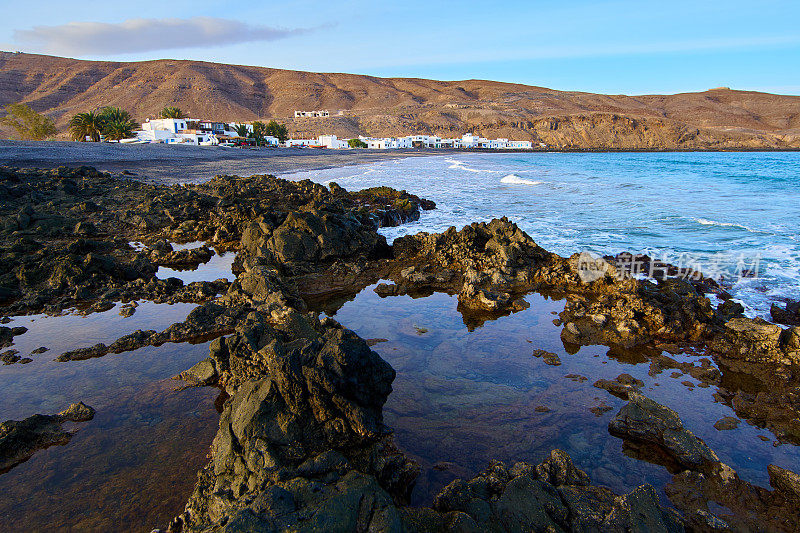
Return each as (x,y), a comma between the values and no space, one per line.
(703,483)
(643,421)
(788,314)
(302,444)
(621,387)
(19,440)
(67,230)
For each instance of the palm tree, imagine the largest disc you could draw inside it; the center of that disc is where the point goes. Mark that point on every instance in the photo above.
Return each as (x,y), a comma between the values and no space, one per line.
(115,114)
(242,131)
(170,112)
(118,129)
(117,123)
(84,125)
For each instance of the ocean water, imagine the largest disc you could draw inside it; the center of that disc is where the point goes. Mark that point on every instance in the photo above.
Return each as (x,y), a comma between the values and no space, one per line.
(720,212)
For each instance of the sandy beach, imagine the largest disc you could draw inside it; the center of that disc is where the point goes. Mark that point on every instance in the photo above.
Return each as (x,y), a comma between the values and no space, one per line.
(185,163)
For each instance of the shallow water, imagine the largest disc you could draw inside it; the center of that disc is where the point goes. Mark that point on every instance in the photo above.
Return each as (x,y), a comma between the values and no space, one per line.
(134,465)
(218,267)
(726,211)
(466,398)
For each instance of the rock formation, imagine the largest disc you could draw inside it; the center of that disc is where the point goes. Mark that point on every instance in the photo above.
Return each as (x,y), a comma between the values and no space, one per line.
(19,440)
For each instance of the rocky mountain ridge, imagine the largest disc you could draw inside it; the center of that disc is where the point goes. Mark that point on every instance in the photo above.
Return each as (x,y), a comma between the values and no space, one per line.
(366,105)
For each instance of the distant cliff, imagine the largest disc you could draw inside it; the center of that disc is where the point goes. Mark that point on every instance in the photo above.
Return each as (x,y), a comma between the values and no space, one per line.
(719,118)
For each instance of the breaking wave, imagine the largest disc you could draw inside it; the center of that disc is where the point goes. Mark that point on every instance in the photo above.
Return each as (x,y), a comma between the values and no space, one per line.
(455,164)
(516,180)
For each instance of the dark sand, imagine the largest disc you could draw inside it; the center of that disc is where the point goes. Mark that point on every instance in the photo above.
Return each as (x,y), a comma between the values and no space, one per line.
(171,163)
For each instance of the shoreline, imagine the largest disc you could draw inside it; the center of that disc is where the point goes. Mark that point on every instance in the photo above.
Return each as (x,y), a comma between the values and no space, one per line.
(168,164)
(178,164)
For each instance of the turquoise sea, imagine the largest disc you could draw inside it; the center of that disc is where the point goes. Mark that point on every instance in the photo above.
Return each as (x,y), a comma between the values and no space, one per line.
(723,212)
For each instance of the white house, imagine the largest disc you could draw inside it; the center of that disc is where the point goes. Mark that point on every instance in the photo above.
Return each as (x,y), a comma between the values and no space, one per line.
(520,145)
(272,141)
(311,114)
(300,143)
(175,131)
(332,142)
(402,142)
(377,144)
(426,141)
(171,125)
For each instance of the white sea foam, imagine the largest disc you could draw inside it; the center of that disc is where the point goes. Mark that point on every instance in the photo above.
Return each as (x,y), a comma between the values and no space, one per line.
(516,180)
(455,164)
(706,222)
(578,209)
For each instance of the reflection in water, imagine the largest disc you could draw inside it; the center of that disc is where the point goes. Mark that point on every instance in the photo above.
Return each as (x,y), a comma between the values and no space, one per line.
(133,466)
(219,266)
(462,399)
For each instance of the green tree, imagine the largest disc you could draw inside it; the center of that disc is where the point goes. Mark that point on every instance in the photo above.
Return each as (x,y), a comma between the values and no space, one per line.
(259,130)
(242,131)
(28,124)
(278,131)
(171,112)
(117,123)
(356,143)
(84,125)
(116,129)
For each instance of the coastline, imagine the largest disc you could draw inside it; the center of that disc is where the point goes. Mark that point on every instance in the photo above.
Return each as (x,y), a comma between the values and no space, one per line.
(169,164)
(176,164)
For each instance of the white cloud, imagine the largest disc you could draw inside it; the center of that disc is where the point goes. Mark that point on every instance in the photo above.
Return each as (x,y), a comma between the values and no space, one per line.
(145,35)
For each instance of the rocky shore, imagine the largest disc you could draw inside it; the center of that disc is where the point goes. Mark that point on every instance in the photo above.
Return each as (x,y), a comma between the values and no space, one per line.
(302,444)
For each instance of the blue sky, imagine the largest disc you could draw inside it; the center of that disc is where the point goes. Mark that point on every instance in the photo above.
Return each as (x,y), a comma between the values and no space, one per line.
(600,46)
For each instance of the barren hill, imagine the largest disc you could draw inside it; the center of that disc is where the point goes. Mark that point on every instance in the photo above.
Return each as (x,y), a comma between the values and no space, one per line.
(718,118)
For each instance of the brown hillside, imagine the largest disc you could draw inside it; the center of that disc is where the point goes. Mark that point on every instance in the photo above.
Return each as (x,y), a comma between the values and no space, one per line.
(719,118)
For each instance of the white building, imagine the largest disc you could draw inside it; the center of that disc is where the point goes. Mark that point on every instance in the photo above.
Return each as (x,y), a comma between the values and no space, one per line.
(161,129)
(272,141)
(175,131)
(311,114)
(301,143)
(377,144)
(521,145)
(469,140)
(401,142)
(333,142)
(426,141)
(388,143)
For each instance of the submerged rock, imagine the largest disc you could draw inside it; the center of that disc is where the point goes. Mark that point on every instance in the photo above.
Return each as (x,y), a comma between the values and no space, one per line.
(701,479)
(622,386)
(726,423)
(19,440)
(548,357)
(642,420)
